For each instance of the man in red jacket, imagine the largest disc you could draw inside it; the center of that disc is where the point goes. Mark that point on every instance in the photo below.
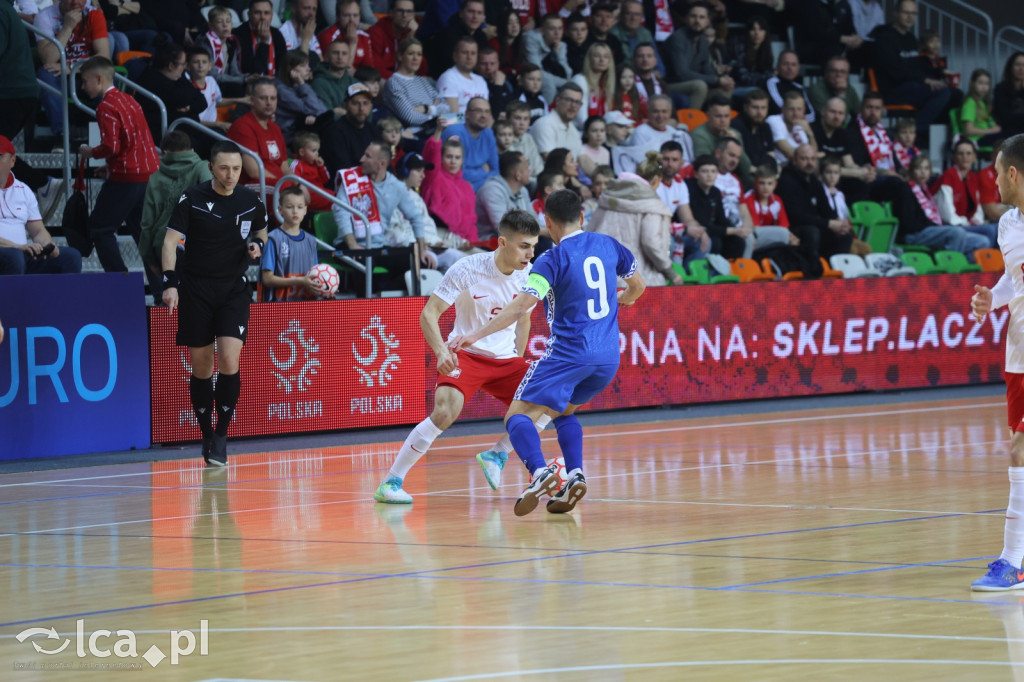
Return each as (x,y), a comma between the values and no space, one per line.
(127,146)
(389,32)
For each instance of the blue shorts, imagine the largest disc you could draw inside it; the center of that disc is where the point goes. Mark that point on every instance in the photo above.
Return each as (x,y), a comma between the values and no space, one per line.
(557,383)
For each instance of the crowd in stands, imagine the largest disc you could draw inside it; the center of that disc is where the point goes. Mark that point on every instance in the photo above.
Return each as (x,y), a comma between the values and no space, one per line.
(683,133)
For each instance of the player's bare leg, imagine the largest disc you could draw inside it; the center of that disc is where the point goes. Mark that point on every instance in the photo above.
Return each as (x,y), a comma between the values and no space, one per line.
(570,440)
(448,404)
(519,422)
(1005,573)
(493,461)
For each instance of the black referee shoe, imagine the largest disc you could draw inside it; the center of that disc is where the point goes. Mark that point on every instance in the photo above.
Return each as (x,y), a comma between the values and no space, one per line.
(218,456)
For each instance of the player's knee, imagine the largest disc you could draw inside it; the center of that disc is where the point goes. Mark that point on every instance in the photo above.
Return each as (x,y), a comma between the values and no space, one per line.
(443,416)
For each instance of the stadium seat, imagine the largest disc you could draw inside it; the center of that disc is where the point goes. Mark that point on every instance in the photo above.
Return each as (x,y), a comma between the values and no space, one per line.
(748,270)
(691,118)
(324,227)
(893,110)
(954,262)
(881,263)
(922,263)
(768,265)
(429,279)
(874,226)
(680,270)
(128,55)
(990,260)
(954,131)
(852,266)
(701,269)
(828,272)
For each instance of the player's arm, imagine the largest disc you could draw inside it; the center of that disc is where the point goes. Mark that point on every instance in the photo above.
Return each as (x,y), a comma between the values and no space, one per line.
(257,241)
(634,289)
(986,300)
(522,335)
(168,260)
(513,312)
(432,311)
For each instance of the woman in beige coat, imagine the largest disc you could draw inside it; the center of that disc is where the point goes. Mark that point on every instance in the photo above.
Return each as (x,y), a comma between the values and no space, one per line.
(630,211)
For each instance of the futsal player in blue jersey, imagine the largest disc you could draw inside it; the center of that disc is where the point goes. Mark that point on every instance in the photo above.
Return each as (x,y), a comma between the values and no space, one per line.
(577,282)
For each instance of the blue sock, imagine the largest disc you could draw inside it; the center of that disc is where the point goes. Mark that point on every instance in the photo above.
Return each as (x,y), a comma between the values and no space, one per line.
(570,440)
(526,441)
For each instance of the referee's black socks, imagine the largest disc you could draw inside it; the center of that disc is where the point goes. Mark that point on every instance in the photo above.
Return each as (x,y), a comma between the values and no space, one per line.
(228,388)
(200,391)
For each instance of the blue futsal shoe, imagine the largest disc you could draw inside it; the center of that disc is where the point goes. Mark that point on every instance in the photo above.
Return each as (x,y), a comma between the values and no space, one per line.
(390,492)
(492,462)
(1001,576)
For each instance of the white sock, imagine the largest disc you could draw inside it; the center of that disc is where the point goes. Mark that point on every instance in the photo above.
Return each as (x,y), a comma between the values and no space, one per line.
(414,447)
(1013,532)
(505,445)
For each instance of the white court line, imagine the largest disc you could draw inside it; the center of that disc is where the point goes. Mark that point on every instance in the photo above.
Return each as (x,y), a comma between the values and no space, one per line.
(721,425)
(697,664)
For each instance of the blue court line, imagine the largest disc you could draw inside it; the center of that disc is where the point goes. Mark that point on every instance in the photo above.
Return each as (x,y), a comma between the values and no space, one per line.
(848,573)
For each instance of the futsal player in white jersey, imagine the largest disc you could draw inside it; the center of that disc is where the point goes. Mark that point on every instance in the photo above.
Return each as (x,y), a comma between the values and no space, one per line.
(1005,573)
(479,287)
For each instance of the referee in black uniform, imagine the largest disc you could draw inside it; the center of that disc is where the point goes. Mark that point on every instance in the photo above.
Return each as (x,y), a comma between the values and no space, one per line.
(223,226)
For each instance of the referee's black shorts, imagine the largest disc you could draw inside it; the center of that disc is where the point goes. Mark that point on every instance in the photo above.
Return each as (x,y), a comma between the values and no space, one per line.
(208,308)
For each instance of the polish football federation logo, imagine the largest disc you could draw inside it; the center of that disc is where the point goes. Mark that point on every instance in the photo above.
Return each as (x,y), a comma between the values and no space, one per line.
(375,354)
(296,363)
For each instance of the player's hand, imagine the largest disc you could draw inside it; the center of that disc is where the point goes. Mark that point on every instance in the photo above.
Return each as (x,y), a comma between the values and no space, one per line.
(447,362)
(254,250)
(462,341)
(981,303)
(170,297)
(619,294)
(311,285)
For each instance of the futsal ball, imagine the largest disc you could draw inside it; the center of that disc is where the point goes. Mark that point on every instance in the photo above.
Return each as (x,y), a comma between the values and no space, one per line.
(326,277)
(563,475)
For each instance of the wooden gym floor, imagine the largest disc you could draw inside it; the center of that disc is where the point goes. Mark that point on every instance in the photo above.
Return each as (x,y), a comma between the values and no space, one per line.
(826,544)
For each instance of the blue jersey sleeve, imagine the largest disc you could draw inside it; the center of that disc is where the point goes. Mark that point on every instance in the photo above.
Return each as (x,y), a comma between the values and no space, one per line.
(547,266)
(269,258)
(626,265)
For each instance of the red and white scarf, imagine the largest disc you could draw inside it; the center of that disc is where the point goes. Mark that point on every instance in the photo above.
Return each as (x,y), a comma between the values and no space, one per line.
(219,52)
(627,107)
(663,25)
(361,197)
(878,144)
(595,107)
(678,232)
(904,154)
(641,91)
(271,62)
(931,209)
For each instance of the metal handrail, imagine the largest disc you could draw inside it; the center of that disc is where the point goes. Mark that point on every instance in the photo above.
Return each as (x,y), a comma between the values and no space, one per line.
(1000,40)
(960,27)
(63,95)
(206,130)
(118,78)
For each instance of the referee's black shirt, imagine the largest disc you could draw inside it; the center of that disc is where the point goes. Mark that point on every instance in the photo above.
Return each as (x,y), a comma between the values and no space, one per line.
(217,229)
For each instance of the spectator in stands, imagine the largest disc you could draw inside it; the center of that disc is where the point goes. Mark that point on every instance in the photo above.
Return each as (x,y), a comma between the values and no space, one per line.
(823,30)
(19,103)
(518,114)
(976,119)
(82,30)
(468,22)
(261,46)
(343,138)
(656,131)
(707,135)
(784,81)
(447,194)
(225,53)
(836,83)
(198,74)
(627,97)
(790,129)
(926,225)
(181,19)
(165,78)
(531,81)
(758,143)
(867,16)
(689,238)
(459,84)
(834,140)
(577,41)
(26,248)
(333,76)
(691,72)
(727,156)
(904,148)
(442,245)
(500,90)
(1008,104)
(298,107)
(257,132)
(727,240)
(991,201)
(131,156)
(299,30)
(388,33)
(631,212)
(897,65)
(501,193)
(131,26)
(807,206)
(830,168)
(509,41)
(556,129)
(564,161)
(544,47)
(180,168)
(597,83)
(309,165)
(603,19)
(481,149)
(768,213)
(347,29)
(594,153)
(752,62)
(648,81)
(413,98)
(631,32)
(290,253)
(870,145)
(960,204)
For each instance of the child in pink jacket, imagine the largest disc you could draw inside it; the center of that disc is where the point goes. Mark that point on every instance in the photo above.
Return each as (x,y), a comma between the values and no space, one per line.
(445,193)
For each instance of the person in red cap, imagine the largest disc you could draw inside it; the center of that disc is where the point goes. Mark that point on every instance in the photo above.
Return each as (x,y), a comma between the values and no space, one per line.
(25,245)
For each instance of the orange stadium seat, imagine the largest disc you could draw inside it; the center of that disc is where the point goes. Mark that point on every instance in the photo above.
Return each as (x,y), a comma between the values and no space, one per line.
(828,272)
(748,270)
(990,260)
(128,55)
(691,118)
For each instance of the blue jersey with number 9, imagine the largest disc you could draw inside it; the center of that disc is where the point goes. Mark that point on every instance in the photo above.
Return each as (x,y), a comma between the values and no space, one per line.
(581,304)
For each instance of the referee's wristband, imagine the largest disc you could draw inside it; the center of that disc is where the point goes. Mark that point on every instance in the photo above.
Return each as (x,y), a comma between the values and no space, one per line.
(170,279)
(257,240)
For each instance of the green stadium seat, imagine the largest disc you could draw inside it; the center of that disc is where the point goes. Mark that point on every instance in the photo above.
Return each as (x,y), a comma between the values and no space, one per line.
(922,263)
(954,262)
(701,269)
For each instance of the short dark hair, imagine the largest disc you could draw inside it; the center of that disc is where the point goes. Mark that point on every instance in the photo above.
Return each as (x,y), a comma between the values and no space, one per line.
(717,100)
(830,161)
(295,190)
(508,163)
(568,86)
(563,207)
(704,160)
(468,40)
(260,82)
(545,180)
(872,94)
(725,141)
(98,63)
(195,50)
(224,147)
(700,3)
(253,3)
(366,74)
(755,95)
(519,221)
(176,141)
(671,146)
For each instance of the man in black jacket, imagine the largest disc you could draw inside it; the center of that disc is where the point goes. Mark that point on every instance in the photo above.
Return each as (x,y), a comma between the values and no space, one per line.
(803,195)
(347,138)
(261,46)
